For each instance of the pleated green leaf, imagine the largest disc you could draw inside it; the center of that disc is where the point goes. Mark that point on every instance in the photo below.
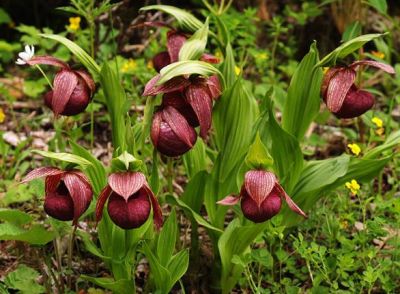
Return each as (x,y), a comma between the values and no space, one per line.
(65,157)
(15,216)
(186,21)
(195,159)
(258,156)
(392,140)
(122,286)
(78,52)
(162,277)
(166,240)
(195,45)
(178,266)
(303,101)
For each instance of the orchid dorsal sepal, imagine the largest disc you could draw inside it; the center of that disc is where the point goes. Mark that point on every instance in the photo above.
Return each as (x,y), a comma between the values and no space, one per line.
(126,162)
(65,157)
(258,157)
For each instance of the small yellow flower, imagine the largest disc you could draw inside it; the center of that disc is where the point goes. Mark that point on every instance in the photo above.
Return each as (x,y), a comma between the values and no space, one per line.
(11,24)
(150,65)
(218,54)
(2,115)
(125,67)
(380,131)
(378,54)
(354,148)
(132,63)
(261,56)
(74,23)
(237,70)
(325,69)
(345,224)
(377,121)
(353,186)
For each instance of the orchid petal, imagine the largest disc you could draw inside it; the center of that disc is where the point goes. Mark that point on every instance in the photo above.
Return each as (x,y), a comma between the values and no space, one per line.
(214,86)
(229,200)
(88,80)
(290,202)
(51,183)
(156,128)
(377,64)
(357,102)
(259,185)
(161,60)
(65,83)
(47,60)
(126,184)
(175,42)
(178,124)
(150,86)
(209,58)
(101,201)
(338,87)
(199,98)
(157,211)
(42,172)
(24,55)
(20,61)
(80,192)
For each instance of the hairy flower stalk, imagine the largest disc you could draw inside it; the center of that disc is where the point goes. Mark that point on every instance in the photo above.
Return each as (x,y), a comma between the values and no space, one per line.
(68,193)
(261,197)
(340,93)
(130,201)
(73,89)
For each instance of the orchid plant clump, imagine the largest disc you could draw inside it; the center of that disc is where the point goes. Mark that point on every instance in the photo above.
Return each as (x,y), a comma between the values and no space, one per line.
(243,150)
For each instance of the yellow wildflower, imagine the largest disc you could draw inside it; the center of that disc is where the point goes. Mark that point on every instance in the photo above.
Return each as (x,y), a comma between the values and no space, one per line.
(261,56)
(125,67)
(150,65)
(132,63)
(218,54)
(353,186)
(377,121)
(11,24)
(345,224)
(380,131)
(74,23)
(2,115)
(354,148)
(325,69)
(378,54)
(237,70)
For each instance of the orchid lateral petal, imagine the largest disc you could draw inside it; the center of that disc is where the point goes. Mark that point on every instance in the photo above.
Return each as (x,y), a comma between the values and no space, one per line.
(51,183)
(339,86)
(178,124)
(157,211)
(80,193)
(47,60)
(101,201)
(42,172)
(200,99)
(157,24)
(150,86)
(174,84)
(161,60)
(156,127)
(88,80)
(214,86)
(229,200)
(65,83)
(377,64)
(126,184)
(290,202)
(175,42)
(259,185)
(209,58)
(327,77)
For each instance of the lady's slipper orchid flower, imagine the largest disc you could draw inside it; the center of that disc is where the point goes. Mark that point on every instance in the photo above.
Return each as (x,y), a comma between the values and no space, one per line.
(68,193)
(73,89)
(197,91)
(342,96)
(261,197)
(171,134)
(26,55)
(130,201)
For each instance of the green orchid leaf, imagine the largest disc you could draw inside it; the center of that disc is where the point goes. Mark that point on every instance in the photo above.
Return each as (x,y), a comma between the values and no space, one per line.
(186,21)
(37,234)
(166,240)
(66,157)
(195,45)
(122,286)
(78,52)
(195,159)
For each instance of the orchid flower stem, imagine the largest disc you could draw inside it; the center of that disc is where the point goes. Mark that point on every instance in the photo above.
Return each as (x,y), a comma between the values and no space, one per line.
(45,76)
(170,175)
(70,251)
(42,271)
(91,127)
(59,266)
(361,130)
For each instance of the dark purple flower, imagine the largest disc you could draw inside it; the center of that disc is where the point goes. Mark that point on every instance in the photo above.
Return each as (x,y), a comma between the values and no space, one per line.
(342,96)
(68,193)
(171,134)
(261,197)
(130,201)
(73,89)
